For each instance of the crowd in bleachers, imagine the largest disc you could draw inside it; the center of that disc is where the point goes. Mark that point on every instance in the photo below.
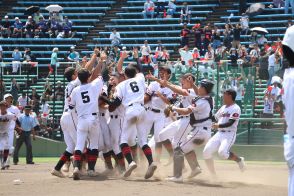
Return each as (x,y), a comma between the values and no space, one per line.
(36,26)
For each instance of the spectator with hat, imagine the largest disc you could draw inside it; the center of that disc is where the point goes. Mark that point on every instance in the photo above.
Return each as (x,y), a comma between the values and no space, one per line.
(27,123)
(17,28)
(6,27)
(29,27)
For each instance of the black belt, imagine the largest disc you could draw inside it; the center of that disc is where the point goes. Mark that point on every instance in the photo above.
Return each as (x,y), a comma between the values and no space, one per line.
(94,114)
(180,117)
(113,116)
(225,131)
(133,104)
(155,110)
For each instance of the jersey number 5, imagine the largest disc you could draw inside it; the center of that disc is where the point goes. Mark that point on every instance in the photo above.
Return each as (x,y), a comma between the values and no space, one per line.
(134,87)
(85,97)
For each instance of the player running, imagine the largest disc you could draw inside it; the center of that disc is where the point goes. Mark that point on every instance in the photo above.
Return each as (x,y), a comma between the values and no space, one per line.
(227,119)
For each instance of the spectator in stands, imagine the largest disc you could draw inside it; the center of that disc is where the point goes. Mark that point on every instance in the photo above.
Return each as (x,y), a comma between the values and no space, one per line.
(146,51)
(35,101)
(209,55)
(37,17)
(27,124)
(30,60)
(16,58)
(254,54)
(287,4)
(262,40)
(185,13)
(73,55)
(160,7)
(54,27)
(67,27)
(268,109)
(196,54)
(14,89)
(41,28)
(272,61)
(240,92)
(23,100)
(244,21)
(233,66)
(56,16)
(249,90)
(236,36)
(45,111)
(29,27)
(47,90)
(197,34)
(216,38)
(207,35)
(227,40)
(185,36)
(2,89)
(6,28)
(54,60)
(186,56)
(59,91)
(17,28)
(115,38)
(171,8)
(148,9)
(1,53)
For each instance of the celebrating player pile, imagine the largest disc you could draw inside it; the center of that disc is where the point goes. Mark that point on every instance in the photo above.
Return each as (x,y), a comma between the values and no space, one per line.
(116,116)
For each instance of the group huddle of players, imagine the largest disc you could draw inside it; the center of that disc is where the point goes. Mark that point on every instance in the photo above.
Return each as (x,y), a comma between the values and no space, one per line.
(114,115)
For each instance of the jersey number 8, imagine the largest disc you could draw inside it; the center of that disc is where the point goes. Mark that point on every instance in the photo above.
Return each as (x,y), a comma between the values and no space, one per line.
(134,87)
(85,97)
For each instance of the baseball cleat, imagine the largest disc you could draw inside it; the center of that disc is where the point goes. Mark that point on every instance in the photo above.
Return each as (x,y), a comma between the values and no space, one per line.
(130,168)
(65,167)
(59,174)
(242,164)
(175,179)
(195,172)
(76,174)
(150,171)
(92,173)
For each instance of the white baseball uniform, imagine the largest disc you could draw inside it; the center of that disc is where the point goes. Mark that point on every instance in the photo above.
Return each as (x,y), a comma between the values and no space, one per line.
(5,124)
(104,138)
(155,113)
(131,93)
(289,117)
(84,99)
(223,140)
(14,110)
(177,130)
(69,120)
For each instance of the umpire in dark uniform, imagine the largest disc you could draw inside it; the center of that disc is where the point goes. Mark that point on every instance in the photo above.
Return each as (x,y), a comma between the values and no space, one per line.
(27,123)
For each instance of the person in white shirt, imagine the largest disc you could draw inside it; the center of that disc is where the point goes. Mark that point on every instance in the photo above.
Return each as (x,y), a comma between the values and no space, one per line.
(145,51)
(148,9)
(244,23)
(45,111)
(271,67)
(23,100)
(115,38)
(186,55)
(227,119)
(288,51)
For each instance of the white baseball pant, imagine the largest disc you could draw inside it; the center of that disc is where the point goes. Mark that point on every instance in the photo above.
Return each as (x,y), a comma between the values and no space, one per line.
(188,144)
(115,126)
(133,126)
(68,123)
(175,130)
(221,142)
(88,127)
(158,119)
(104,143)
(289,157)
(10,140)
(3,141)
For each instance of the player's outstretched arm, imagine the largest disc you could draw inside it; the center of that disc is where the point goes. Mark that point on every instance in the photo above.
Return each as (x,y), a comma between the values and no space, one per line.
(91,62)
(176,89)
(120,62)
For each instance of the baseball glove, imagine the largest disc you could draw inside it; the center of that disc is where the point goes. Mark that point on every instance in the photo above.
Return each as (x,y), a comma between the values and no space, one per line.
(168,110)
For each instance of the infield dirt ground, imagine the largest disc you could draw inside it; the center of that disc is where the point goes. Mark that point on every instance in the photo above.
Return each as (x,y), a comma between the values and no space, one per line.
(260,179)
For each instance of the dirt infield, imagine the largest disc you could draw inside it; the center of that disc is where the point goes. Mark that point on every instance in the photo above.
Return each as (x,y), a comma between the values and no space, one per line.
(260,179)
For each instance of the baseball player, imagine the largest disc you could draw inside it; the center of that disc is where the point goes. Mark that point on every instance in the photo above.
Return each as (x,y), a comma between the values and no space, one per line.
(159,97)
(288,50)
(68,122)
(84,99)
(130,93)
(199,129)
(5,124)
(227,119)
(14,110)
